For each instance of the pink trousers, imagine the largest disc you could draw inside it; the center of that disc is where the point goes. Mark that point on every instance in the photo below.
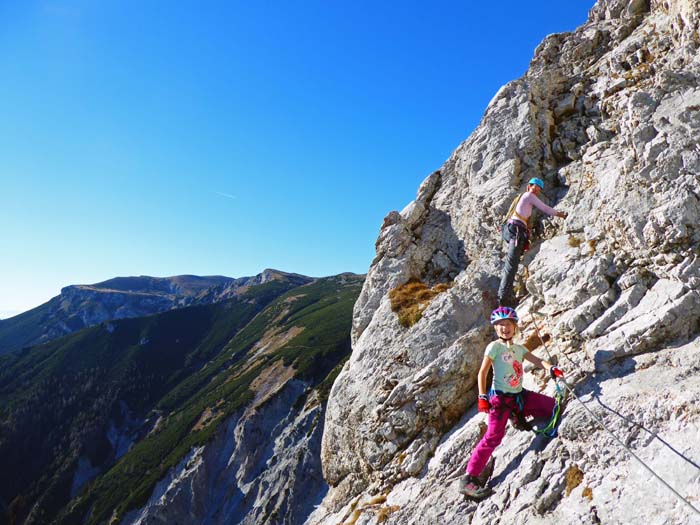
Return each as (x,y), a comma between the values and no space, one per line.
(534,404)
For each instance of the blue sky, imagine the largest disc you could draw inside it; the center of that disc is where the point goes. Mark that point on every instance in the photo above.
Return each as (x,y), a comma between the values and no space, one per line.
(223,138)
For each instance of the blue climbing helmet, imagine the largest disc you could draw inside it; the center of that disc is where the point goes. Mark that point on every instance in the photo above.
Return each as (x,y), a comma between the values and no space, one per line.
(504,312)
(537,181)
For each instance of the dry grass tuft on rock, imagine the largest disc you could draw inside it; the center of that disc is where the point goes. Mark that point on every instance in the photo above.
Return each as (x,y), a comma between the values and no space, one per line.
(411,299)
(384,513)
(373,506)
(574,241)
(354,517)
(574,477)
(587,493)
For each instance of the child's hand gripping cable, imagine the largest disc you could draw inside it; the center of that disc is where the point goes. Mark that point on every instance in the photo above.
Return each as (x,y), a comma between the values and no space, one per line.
(555,372)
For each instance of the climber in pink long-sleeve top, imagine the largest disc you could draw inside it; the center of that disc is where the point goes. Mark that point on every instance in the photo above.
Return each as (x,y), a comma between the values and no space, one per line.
(523,210)
(517,234)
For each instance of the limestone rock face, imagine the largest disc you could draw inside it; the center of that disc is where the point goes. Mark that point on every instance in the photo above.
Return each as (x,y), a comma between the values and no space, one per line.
(609,117)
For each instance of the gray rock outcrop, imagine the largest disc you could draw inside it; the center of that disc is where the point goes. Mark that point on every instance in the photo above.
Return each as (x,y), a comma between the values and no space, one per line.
(258,468)
(609,117)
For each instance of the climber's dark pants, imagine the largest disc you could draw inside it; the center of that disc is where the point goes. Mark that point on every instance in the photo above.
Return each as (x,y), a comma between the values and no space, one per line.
(517,241)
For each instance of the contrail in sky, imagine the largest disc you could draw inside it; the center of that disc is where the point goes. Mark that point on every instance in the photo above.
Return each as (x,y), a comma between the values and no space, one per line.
(227,195)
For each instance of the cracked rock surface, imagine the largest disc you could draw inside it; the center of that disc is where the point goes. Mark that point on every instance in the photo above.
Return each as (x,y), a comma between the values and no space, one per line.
(609,117)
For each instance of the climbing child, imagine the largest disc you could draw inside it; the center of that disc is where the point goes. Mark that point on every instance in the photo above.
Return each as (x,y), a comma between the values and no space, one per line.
(507,398)
(517,233)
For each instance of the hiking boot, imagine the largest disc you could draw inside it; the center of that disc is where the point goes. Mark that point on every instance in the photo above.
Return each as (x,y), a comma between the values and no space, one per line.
(509,301)
(472,488)
(486,473)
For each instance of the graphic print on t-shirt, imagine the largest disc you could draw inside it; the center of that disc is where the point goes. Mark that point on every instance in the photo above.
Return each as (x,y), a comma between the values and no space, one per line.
(507,366)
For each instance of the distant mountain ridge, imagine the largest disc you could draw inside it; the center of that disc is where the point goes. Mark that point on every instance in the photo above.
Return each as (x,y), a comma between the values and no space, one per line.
(187,285)
(80,306)
(94,425)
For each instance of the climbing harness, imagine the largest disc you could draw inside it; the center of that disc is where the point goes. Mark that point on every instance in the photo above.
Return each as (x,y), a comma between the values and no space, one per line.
(550,430)
(511,209)
(512,217)
(517,416)
(618,440)
(516,407)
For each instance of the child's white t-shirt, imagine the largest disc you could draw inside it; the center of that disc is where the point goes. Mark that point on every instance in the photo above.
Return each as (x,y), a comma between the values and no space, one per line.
(507,366)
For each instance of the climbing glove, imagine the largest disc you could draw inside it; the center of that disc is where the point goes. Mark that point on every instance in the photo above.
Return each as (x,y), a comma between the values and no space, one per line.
(484,404)
(555,372)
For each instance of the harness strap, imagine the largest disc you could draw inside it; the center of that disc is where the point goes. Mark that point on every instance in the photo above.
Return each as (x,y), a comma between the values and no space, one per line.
(551,429)
(517,408)
(521,226)
(522,219)
(513,214)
